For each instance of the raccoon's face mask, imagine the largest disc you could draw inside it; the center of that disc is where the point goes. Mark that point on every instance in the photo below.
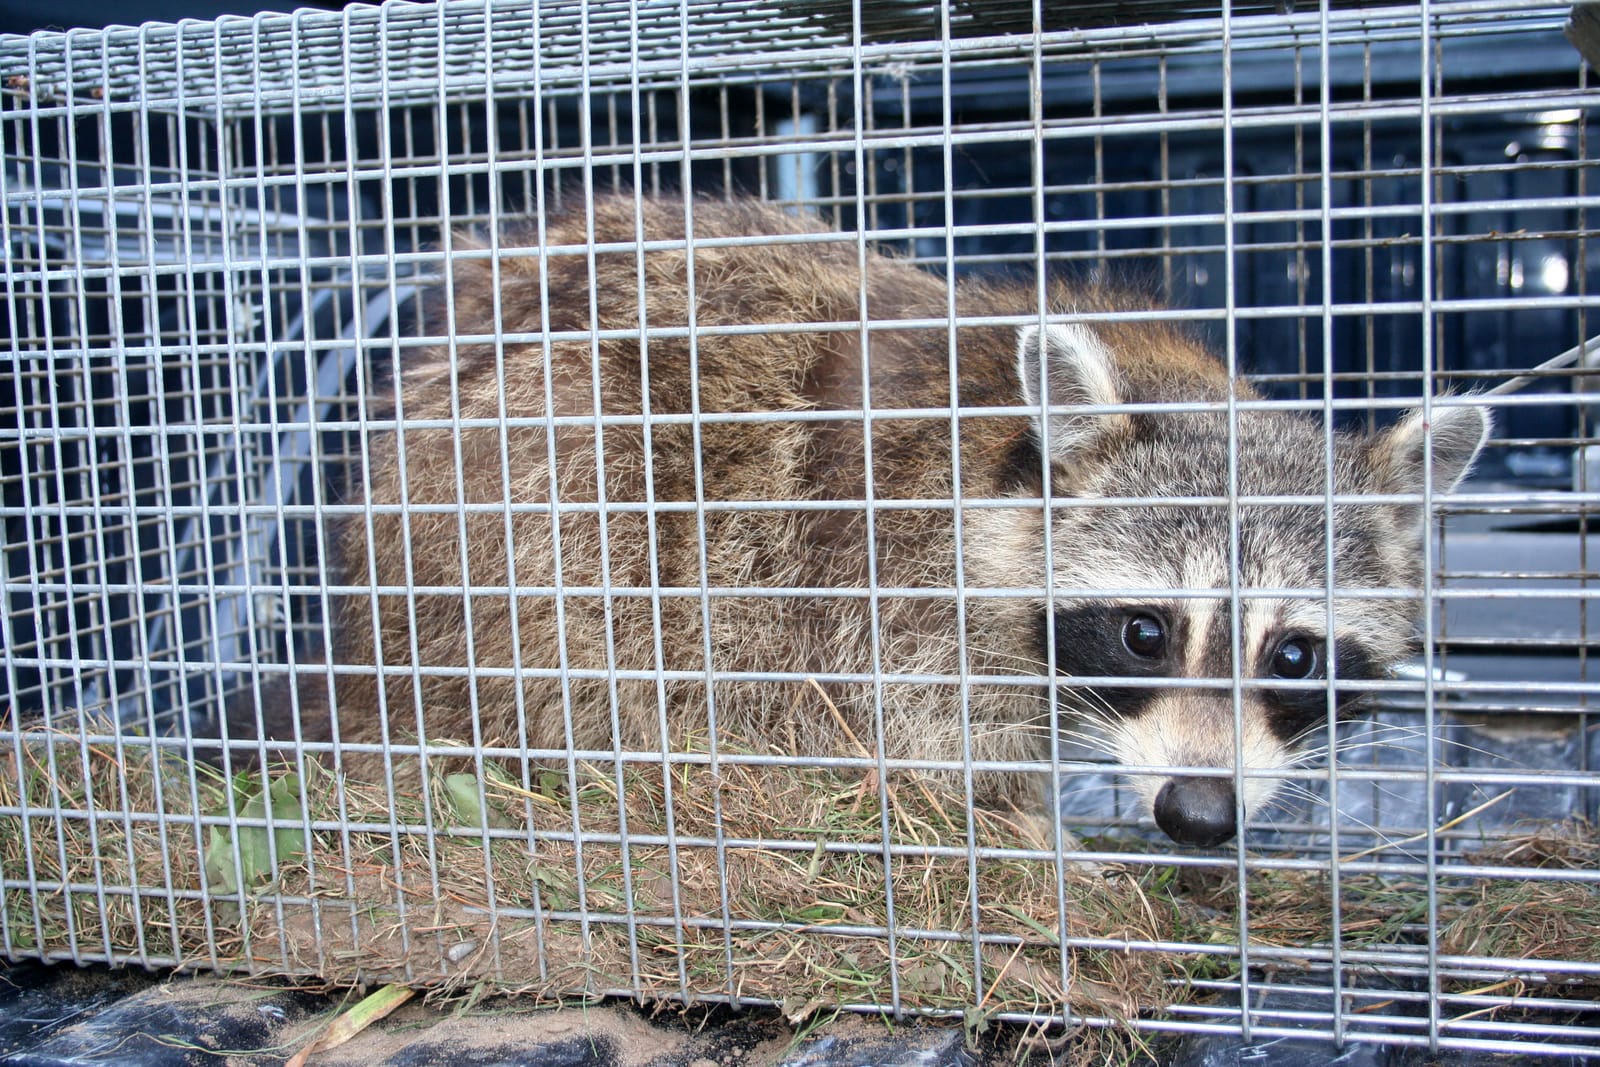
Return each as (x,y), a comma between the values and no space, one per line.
(1199,596)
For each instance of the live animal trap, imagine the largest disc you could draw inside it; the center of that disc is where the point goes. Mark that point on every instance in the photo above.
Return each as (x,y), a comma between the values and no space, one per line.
(322,319)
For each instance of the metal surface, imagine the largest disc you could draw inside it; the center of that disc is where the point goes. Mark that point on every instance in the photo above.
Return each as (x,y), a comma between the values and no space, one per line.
(213,231)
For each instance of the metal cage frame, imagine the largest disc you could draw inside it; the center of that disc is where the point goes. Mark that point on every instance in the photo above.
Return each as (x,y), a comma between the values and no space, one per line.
(214,230)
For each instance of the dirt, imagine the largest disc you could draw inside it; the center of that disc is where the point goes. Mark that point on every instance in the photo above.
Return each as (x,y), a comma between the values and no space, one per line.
(420,1035)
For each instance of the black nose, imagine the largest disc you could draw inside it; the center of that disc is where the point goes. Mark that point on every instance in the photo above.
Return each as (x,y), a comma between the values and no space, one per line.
(1197,811)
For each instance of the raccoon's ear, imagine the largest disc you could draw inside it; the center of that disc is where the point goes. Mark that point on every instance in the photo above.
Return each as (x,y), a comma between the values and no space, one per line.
(1398,455)
(1077,369)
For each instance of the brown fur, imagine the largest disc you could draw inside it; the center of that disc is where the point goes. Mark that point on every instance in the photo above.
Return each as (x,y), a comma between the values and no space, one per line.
(777,285)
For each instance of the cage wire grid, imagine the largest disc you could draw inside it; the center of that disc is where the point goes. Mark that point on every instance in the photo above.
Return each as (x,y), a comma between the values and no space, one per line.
(224,239)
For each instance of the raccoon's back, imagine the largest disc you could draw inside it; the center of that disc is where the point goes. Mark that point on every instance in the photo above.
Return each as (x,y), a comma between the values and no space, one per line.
(599,422)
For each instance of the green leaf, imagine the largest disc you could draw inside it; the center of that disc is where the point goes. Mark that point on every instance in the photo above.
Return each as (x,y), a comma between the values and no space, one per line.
(465,799)
(248,848)
(219,861)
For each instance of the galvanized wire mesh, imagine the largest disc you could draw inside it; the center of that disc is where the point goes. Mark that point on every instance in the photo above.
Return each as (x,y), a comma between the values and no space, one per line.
(222,240)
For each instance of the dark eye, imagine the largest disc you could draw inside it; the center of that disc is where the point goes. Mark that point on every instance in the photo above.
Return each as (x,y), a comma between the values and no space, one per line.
(1145,636)
(1294,658)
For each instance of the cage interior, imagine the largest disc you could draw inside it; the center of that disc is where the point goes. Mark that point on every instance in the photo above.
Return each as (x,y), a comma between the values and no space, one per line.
(224,240)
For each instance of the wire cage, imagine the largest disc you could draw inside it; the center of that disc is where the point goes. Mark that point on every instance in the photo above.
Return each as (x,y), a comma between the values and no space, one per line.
(225,243)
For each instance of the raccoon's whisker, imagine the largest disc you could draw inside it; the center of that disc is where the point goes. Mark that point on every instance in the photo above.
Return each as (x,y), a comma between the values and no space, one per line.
(1095,793)
(1418,732)
(1347,751)
(1086,738)
(1098,728)
(1078,789)
(1389,729)
(1298,790)
(1040,718)
(1094,734)
(1093,709)
(1306,755)
(1341,747)
(1311,794)
(1295,790)
(1034,664)
(1385,792)
(1349,755)
(1093,738)
(1094,706)
(1280,800)
(1093,742)
(1087,714)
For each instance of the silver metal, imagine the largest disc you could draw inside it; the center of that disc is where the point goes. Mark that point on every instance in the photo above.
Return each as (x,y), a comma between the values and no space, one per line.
(222,240)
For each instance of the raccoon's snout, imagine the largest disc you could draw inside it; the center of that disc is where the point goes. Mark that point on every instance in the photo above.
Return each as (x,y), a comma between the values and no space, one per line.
(1197,811)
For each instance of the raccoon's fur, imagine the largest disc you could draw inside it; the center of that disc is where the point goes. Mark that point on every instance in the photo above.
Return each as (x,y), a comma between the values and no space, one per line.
(697,589)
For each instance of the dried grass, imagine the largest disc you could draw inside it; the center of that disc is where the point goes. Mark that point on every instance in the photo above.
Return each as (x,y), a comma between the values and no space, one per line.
(800,874)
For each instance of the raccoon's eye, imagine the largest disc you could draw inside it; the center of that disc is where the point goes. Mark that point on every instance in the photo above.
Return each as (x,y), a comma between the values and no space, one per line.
(1294,658)
(1145,636)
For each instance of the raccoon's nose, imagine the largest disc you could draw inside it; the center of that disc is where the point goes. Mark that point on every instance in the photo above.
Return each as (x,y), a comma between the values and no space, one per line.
(1196,811)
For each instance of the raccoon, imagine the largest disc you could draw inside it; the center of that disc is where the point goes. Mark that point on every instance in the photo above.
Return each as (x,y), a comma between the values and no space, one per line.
(627,533)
